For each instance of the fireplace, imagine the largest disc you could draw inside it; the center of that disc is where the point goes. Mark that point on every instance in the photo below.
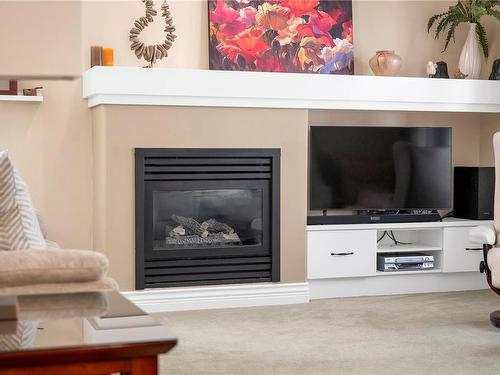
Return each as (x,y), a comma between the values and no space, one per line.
(206,216)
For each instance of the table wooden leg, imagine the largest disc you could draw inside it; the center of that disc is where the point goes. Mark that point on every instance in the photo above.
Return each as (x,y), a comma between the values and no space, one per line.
(144,366)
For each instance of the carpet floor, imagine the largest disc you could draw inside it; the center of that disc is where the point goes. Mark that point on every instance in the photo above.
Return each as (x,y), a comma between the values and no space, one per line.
(438,333)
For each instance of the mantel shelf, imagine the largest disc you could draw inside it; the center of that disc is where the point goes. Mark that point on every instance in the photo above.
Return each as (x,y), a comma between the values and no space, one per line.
(208,88)
(21,98)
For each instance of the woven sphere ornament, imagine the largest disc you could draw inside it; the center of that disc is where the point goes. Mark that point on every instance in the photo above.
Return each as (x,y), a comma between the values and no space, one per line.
(154,52)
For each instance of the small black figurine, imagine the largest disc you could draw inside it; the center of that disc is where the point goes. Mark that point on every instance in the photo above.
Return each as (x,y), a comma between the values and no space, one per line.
(441,70)
(495,71)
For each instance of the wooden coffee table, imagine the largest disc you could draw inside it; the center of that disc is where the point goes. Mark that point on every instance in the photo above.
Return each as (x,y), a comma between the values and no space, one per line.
(86,333)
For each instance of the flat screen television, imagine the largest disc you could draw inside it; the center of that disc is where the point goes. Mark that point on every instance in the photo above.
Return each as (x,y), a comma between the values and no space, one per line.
(379,168)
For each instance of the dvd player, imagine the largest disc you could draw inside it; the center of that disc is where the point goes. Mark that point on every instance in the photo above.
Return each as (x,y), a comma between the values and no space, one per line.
(405,257)
(406,266)
(404,261)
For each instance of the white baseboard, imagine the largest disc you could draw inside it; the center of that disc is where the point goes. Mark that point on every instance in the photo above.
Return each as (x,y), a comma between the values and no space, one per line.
(396,284)
(219,297)
(267,294)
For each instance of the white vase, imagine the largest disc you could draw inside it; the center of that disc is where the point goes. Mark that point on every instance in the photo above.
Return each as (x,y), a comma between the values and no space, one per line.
(470,58)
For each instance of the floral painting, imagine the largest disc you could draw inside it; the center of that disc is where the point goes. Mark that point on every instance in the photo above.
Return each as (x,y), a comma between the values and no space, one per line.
(301,36)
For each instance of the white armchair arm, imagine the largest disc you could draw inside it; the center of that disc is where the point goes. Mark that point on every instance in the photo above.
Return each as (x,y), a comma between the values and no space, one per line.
(483,235)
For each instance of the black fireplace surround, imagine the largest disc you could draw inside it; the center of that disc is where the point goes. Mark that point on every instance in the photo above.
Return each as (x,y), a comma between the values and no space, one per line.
(206,216)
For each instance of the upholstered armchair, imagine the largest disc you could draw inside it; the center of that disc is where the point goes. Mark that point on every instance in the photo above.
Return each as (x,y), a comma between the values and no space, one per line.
(29,263)
(490,239)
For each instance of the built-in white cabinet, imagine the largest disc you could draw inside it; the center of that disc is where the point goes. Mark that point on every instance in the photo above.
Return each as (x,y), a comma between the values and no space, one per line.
(341,253)
(460,255)
(342,259)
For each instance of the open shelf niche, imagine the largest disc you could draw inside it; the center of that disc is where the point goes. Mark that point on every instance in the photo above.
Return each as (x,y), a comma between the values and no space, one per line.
(426,240)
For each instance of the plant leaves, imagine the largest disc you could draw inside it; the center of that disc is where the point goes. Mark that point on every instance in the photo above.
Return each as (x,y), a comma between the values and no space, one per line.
(450,36)
(494,13)
(442,25)
(462,9)
(465,11)
(483,40)
(433,19)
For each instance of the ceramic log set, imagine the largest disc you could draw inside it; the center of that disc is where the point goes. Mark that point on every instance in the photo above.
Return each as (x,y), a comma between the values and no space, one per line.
(386,63)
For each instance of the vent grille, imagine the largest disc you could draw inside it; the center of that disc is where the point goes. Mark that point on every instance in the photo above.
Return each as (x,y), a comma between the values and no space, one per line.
(207,271)
(194,168)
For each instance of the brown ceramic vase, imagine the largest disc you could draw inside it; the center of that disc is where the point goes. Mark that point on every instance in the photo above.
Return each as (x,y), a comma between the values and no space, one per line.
(386,63)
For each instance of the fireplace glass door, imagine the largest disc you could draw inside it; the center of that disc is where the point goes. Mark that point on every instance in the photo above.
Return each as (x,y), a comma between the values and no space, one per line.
(195,218)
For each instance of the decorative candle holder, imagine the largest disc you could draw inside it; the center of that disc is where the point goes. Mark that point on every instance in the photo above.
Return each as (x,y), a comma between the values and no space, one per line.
(95,56)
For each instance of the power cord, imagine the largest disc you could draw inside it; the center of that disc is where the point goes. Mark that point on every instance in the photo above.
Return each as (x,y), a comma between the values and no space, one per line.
(390,234)
(382,237)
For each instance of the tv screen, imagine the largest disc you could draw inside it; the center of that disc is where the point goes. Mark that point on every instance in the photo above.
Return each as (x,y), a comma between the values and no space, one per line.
(384,168)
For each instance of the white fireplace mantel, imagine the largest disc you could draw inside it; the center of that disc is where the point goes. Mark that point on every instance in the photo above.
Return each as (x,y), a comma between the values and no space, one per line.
(208,88)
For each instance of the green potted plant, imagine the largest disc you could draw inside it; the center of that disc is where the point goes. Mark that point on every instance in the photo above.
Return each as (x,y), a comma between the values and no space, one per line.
(467,11)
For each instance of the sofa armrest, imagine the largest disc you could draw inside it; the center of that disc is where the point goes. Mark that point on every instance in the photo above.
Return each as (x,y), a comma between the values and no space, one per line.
(483,234)
(31,267)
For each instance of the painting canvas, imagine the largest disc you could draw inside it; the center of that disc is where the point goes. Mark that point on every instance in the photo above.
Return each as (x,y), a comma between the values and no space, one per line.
(300,36)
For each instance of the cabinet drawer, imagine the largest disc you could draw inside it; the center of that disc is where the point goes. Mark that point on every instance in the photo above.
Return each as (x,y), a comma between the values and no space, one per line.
(459,254)
(341,254)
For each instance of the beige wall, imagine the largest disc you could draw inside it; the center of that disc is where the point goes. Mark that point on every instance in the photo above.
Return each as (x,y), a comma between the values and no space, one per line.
(55,34)
(400,26)
(107,23)
(490,124)
(52,143)
(40,38)
(119,129)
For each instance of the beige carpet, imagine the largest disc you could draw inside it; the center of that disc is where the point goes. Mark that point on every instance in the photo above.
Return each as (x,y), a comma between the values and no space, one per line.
(439,333)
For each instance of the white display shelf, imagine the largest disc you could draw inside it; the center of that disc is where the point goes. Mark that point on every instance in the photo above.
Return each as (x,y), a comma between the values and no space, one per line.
(407,248)
(20,98)
(399,273)
(209,88)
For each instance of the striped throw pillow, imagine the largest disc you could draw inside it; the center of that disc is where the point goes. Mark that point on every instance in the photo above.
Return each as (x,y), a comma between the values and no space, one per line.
(7,184)
(19,227)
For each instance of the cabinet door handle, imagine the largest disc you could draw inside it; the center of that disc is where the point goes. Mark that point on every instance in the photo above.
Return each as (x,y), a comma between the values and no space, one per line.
(473,248)
(349,253)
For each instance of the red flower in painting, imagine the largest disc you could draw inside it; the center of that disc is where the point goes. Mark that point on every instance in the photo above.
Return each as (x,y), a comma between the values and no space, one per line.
(269,63)
(248,44)
(322,22)
(248,16)
(223,14)
(347,30)
(227,19)
(318,26)
(300,7)
(335,13)
(272,17)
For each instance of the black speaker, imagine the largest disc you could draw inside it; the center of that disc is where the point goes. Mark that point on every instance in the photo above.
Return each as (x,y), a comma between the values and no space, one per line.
(474,193)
